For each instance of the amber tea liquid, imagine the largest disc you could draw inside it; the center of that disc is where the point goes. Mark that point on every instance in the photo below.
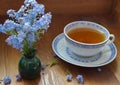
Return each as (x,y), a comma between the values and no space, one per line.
(86,35)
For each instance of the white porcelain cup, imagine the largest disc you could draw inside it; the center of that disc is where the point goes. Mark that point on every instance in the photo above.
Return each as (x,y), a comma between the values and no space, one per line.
(86,49)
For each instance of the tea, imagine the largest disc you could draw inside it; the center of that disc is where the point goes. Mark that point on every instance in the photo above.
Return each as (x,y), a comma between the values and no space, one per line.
(86,35)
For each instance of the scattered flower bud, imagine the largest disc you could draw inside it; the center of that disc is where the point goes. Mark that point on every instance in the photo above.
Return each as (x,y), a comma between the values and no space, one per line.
(7,80)
(18,77)
(69,77)
(80,79)
(42,73)
(99,69)
(43,66)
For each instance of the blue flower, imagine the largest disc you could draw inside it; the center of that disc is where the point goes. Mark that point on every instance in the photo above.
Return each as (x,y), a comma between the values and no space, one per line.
(15,41)
(2,29)
(30,1)
(24,20)
(31,16)
(7,80)
(43,66)
(18,77)
(25,25)
(11,13)
(44,21)
(99,69)
(31,38)
(69,77)
(39,8)
(80,79)
(21,34)
(18,27)
(9,25)
(21,11)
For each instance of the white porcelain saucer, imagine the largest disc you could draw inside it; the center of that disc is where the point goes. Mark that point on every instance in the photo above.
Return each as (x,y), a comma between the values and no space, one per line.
(107,55)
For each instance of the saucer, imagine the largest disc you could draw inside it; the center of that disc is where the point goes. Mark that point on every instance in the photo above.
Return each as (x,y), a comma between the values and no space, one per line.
(106,56)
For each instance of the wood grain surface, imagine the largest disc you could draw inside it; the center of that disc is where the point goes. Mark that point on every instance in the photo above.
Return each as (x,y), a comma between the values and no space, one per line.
(64,6)
(56,75)
(64,12)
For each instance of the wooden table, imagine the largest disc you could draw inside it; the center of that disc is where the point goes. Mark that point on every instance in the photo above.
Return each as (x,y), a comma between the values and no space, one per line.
(56,75)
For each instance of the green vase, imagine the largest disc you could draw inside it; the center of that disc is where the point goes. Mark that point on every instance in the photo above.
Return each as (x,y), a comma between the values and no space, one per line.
(29,67)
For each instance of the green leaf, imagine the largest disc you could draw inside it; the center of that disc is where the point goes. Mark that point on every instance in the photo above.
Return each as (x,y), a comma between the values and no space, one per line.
(68,72)
(53,62)
(12,32)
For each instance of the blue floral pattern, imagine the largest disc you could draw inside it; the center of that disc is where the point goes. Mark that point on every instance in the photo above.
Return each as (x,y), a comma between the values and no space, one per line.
(86,24)
(62,51)
(82,58)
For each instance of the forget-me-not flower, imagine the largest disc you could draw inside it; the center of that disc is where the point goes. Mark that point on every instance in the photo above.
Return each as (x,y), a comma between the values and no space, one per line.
(26,25)
(80,79)
(69,77)
(7,80)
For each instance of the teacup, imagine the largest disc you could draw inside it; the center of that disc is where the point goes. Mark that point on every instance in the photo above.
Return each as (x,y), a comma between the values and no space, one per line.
(85,38)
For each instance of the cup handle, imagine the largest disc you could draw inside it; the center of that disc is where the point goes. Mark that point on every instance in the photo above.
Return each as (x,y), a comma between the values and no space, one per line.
(112,38)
